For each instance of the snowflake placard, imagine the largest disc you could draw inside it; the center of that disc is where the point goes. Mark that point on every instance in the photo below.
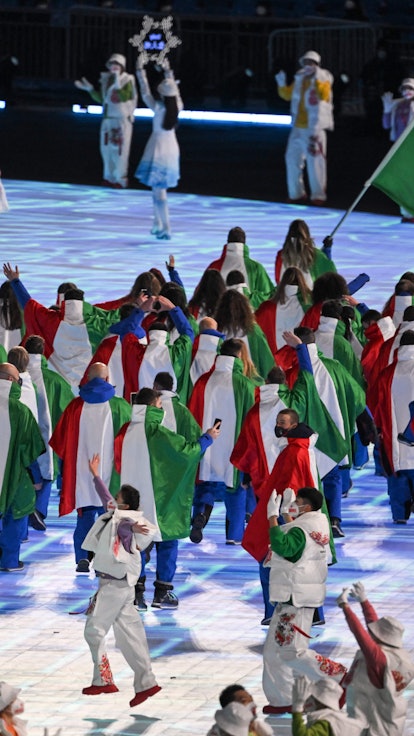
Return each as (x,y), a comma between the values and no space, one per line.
(155,39)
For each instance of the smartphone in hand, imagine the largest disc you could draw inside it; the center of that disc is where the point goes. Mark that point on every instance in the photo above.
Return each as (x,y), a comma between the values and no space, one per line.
(217,423)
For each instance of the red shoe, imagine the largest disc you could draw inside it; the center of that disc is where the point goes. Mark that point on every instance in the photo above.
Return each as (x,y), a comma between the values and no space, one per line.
(407,219)
(99,689)
(144,694)
(277,710)
(318,202)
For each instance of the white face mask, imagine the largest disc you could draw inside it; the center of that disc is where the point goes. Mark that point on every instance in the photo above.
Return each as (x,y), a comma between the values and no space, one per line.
(294,511)
(17,706)
(408,93)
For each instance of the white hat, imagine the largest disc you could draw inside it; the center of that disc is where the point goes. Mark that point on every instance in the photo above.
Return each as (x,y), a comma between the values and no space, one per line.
(168,88)
(8,695)
(388,630)
(234,719)
(328,692)
(117,59)
(312,56)
(407,83)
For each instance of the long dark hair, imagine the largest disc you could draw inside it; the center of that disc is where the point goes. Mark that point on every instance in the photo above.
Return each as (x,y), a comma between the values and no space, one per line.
(10,315)
(292,276)
(208,291)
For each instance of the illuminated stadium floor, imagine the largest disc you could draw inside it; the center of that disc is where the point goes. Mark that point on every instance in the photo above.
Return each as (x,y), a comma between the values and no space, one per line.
(99,238)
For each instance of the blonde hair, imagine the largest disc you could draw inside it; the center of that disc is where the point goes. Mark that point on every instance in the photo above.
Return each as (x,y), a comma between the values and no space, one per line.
(249,368)
(299,248)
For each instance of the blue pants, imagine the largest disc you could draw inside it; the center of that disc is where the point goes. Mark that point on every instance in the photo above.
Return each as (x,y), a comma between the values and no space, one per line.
(332,488)
(11,536)
(360,452)
(43,496)
(235,502)
(269,607)
(206,493)
(84,522)
(166,560)
(401,493)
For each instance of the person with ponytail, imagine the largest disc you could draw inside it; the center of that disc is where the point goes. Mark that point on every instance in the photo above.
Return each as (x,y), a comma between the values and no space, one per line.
(159,165)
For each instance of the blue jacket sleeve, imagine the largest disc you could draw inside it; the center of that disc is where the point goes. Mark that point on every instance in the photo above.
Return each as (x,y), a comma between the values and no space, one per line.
(358,283)
(175,276)
(35,473)
(20,292)
(129,324)
(205,441)
(303,358)
(181,322)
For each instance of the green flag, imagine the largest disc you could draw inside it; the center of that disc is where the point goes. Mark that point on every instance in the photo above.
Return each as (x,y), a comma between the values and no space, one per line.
(394,175)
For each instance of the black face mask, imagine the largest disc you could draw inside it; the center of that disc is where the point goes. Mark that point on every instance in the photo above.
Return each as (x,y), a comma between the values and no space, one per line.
(280,431)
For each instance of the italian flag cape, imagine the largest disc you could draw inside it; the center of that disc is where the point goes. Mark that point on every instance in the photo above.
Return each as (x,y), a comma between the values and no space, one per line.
(257,448)
(83,430)
(295,468)
(312,319)
(235,257)
(341,396)
(321,264)
(53,396)
(331,341)
(110,351)
(69,345)
(141,363)
(163,466)
(224,393)
(396,307)
(3,354)
(274,318)
(21,444)
(204,353)
(178,418)
(392,414)
(387,354)
(376,334)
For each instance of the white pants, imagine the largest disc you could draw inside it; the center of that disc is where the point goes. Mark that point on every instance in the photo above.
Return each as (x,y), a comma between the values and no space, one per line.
(297,154)
(286,654)
(113,606)
(115,144)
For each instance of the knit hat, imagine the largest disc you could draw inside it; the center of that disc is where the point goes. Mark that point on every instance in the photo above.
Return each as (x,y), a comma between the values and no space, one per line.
(312,56)
(328,692)
(116,59)
(168,88)
(7,694)
(407,83)
(387,630)
(234,719)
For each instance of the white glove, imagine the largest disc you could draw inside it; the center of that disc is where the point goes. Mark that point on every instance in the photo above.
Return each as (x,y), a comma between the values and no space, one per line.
(300,691)
(280,79)
(84,84)
(273,505)
(387,101)
(289,497)
(357,592)
(111,505)
(141,61)
(343,598)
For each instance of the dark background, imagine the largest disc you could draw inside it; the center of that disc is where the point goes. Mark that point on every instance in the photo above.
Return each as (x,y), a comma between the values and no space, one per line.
(233,160)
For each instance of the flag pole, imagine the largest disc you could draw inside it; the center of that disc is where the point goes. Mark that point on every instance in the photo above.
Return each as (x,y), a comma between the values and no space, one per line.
(394,148)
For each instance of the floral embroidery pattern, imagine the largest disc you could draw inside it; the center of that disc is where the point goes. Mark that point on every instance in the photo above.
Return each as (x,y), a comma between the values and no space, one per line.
(319,538)
(105,670)
(92,603)
(400,683)
(285,629)
(329,667)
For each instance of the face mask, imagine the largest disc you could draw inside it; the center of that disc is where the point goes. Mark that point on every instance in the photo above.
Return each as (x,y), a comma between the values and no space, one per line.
(17,706)
(408,93)
(280,431)
(294,511)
